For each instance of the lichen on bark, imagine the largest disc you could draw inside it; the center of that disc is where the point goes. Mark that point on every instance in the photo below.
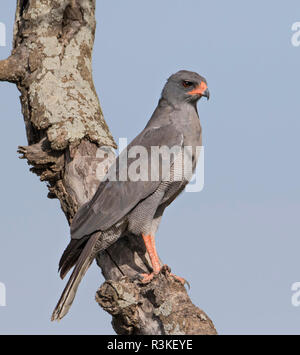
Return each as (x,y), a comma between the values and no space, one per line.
(61,92)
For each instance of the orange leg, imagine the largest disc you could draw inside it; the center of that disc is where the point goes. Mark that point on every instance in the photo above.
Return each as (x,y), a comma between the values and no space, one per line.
(149,241)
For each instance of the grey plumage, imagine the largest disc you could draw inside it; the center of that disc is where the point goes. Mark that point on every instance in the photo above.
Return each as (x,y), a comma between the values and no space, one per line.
(135,206)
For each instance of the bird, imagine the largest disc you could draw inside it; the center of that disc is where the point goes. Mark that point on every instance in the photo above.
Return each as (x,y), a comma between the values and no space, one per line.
(122,206)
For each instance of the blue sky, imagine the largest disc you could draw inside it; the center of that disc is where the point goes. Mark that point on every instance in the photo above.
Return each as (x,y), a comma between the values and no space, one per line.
(237,241)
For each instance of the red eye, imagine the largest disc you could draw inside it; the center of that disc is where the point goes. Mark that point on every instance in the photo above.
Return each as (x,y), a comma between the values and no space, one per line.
(187,84)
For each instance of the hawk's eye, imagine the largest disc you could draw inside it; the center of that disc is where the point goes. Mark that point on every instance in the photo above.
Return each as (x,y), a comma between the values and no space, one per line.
(187,84)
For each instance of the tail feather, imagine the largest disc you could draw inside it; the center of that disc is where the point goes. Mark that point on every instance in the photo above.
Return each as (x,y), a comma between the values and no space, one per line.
(71,255)
(82,265)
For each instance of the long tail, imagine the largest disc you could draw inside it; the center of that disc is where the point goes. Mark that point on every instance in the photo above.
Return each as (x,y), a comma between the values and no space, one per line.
(84,261)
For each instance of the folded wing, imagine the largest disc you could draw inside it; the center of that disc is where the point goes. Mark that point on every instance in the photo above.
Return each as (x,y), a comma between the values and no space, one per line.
(114,199)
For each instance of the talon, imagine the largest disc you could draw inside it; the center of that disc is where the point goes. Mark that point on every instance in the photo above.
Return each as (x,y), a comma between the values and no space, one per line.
(147,278)
(182,280)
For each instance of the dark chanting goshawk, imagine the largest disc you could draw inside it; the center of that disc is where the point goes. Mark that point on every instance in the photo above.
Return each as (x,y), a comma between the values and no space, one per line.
(120,208)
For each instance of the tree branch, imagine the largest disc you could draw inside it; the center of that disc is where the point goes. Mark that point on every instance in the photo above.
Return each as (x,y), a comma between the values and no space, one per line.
(70,147)
(12,69)
(160,307)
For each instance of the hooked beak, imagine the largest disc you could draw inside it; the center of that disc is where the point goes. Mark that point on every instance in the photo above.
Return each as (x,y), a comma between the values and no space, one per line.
(206,94)
(201,90)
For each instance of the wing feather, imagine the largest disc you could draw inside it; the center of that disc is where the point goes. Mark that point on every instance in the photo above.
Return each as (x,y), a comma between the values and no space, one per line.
(114,199)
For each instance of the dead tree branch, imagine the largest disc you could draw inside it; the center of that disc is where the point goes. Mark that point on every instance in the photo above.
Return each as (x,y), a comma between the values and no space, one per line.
(12,69)
(70,147)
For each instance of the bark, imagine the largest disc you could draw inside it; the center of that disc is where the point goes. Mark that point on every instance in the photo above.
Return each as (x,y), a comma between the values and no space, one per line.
(70,147)
(160,307)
